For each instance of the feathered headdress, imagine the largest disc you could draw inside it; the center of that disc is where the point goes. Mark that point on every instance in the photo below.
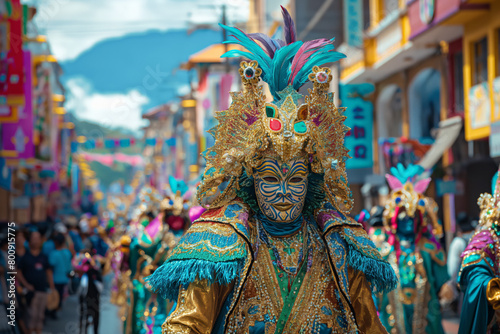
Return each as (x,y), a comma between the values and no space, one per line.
(251,128)
(176,200)
(490,205)
(283,63)
(407,194)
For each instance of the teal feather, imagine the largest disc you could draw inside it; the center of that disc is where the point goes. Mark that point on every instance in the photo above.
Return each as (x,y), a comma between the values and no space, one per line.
(281,67)
(255,51)
(320,57)
(406,174)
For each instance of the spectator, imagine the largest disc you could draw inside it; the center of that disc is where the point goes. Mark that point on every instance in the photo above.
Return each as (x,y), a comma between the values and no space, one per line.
(21,305)
(35,275)
(465,229)
(60,260)
(98,241)
(74,233)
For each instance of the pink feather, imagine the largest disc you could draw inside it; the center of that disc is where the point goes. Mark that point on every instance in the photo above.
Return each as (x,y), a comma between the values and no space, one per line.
(303,54)
(421,186)
(393,181)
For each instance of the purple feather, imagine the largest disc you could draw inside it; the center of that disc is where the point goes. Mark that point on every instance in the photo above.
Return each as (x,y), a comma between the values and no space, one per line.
(289,27)
(303,54)
(266,41)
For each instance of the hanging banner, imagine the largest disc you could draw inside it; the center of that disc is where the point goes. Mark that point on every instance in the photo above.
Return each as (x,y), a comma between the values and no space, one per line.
(17,138)
(11,49)
(359,119)
(43,104)
(353,22)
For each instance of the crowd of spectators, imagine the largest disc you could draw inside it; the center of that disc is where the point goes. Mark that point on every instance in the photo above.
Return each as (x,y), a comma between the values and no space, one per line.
(51,263)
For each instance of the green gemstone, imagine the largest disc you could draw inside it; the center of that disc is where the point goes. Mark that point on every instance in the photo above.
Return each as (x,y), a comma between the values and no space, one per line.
(300,127)
(270,111)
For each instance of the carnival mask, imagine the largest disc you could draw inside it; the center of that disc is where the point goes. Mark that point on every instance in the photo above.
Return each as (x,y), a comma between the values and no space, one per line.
(281,188)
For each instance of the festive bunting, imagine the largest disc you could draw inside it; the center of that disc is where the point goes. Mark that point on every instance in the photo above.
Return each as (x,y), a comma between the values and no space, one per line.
(109,143)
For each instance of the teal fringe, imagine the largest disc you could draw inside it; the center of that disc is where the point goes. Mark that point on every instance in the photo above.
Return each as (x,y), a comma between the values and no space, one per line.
(168,279)
(379,274)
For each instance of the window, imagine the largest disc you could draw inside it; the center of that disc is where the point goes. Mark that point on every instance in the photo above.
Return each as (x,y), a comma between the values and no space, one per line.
(480,61)
(458,75)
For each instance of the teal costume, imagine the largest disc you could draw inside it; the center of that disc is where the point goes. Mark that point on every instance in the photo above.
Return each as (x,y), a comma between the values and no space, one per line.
(407,241)
(221,248)
(479,276)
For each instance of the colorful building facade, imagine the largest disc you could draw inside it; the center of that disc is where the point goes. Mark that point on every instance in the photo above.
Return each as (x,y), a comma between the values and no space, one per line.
(426,59)
(34,131)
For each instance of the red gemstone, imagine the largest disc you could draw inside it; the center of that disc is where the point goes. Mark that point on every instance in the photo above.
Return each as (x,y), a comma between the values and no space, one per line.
(322,77)
(275,124)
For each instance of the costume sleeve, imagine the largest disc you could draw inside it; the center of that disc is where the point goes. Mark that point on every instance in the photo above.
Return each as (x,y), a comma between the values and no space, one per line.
(476,311)
(362,302)
(197,308)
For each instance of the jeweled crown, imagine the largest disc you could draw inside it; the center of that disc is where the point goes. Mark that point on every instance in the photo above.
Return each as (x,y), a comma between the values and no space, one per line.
(290,126)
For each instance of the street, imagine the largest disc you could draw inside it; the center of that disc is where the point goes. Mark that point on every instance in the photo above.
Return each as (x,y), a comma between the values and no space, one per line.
(68,318)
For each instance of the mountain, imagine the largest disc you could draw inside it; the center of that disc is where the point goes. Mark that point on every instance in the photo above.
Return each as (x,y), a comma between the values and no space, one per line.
(148,62)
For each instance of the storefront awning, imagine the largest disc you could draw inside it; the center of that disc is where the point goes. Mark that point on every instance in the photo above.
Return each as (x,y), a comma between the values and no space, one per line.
(448,132)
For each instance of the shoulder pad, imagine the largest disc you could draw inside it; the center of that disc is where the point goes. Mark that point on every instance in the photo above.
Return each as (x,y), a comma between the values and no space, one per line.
(482,246)
(364,256)
(209,251)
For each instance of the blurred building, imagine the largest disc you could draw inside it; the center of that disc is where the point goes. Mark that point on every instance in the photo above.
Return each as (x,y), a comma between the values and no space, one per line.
(216,78)
(35,133)
(432,64)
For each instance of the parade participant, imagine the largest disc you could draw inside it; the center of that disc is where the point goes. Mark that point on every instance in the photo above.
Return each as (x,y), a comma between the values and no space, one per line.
(275,251)
(410,245)
(88,266)
(148,251)
(479,276)
(119,265)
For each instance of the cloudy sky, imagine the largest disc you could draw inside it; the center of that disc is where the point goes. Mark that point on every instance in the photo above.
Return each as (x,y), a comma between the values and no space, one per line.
(74,26)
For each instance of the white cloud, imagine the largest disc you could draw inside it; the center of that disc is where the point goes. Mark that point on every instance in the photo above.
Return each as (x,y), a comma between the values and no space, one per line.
(72,26)
(111,110)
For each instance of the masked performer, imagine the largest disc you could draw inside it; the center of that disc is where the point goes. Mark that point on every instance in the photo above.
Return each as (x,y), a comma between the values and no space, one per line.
(275,251)
(411,226)
(148,251)
(480,275)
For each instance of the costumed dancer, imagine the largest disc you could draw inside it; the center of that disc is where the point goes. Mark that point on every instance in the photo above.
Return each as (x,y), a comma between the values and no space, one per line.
(174,223)
(145,240)
(276,252)
(148,251)
(409,243)
(89,268)
(479,277)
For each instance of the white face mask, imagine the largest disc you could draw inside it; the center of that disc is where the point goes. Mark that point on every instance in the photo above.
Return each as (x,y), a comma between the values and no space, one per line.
(281,188)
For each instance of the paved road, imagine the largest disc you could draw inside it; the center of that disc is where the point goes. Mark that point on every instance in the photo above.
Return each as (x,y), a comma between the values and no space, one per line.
(68,321)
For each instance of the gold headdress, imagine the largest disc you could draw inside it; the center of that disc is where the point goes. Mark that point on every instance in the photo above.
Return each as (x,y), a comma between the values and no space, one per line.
(175,202)
(408,196)
(490,206)
(251,128)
